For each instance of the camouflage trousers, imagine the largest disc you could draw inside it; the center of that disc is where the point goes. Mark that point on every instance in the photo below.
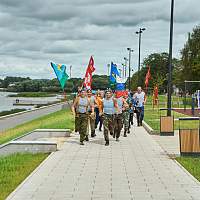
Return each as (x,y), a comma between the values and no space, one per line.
(82,124)
(91,123)
(108,125)
(76,123)
(126,116)
(118,124)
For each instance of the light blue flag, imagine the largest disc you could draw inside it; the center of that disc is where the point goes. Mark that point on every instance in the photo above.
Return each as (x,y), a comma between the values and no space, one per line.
(60,71)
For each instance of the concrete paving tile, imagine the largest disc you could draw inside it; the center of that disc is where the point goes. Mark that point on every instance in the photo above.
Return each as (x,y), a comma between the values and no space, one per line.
(135,168)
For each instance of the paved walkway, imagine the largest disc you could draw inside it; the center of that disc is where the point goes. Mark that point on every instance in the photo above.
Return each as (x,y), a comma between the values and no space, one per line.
(12,121)
(136,168)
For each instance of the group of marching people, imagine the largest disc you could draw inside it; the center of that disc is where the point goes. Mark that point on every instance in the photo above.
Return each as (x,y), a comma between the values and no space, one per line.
(107,109)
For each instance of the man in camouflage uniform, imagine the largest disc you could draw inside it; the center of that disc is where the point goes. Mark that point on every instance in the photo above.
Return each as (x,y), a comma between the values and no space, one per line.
(91,116)
(126,115)
(81,104)
(108,108)
(118,117)
(76,115)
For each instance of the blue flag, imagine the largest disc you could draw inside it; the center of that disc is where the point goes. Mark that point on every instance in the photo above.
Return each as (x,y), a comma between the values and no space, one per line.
(113,73)
(60,71)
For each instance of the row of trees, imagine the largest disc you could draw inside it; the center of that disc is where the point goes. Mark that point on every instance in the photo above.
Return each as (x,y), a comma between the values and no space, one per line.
(185,68)
(18,84)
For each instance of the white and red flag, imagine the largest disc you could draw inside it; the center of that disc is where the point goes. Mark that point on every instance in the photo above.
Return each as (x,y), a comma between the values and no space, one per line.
(88,75)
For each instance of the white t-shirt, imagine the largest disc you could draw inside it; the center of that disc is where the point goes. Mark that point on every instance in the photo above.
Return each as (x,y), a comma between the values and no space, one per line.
(139,98)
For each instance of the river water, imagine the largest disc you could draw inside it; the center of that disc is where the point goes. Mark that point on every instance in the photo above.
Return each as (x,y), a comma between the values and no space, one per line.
(6,103)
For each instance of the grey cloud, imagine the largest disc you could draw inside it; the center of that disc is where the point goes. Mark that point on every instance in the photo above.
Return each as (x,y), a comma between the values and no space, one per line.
(65,31)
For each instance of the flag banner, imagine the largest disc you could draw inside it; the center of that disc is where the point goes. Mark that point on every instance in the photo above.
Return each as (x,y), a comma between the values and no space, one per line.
(113,73)
(60,71)
(120,86)
(148,76)
(198,98)
(88,75)
(122,93)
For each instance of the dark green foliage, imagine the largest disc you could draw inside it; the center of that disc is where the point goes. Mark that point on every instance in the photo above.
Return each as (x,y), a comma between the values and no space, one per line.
(3,113)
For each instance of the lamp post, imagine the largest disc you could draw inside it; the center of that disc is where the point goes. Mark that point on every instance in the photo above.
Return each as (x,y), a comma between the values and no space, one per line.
(70,68)
(140,37)
(126,60)
(123,67)
(169,93)
(108,65)
(129,68)
(120,72)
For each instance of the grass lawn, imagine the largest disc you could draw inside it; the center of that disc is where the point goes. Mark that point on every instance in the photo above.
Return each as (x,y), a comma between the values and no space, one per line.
(58,120)
(191,164)
(152,116)
(15,168)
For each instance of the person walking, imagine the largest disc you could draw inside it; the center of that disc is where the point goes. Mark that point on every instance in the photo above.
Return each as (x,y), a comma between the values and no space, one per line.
(99,105)
(131,110)
(140,100)
(81,104)
(108,109)
(118,117)
(76,116)
(91,115)
(126,115)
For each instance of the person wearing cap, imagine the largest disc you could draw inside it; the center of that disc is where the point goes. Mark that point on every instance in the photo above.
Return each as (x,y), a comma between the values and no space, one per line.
(108,110)
(126,114)
(140,100)
(81,104)
(118,117)
(91,115)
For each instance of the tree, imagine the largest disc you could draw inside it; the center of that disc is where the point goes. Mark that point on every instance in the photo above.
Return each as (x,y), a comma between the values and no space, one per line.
(190,59)
(158,63)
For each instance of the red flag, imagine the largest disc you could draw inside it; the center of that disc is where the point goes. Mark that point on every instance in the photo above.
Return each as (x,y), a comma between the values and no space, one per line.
(88,75)
(148,76)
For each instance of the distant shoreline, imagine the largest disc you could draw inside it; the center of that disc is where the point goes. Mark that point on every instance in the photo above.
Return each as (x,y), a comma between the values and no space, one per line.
(33,94)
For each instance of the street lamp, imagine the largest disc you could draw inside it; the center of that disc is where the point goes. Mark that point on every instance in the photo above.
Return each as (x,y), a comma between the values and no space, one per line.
(169,93)
(70,71)
(123,68)
(120,72)
(140,37)
(129,68)
(108,65)
(126,60)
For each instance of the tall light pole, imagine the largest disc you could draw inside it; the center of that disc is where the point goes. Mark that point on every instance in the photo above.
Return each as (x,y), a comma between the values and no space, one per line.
(108,65)
(169,93)
(129,68)
(120,72)
(70,68)
(126,60)
(140,38)
(123,66)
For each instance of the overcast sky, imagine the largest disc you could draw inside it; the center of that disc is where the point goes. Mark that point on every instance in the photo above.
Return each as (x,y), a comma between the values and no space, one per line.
(34,33)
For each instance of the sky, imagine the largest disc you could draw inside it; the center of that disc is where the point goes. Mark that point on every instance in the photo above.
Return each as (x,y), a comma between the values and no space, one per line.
(35,33)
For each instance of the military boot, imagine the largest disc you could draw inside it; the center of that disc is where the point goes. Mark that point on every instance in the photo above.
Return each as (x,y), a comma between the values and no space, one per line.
(86,138)
(107,143)
(125,134)
(93,134)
